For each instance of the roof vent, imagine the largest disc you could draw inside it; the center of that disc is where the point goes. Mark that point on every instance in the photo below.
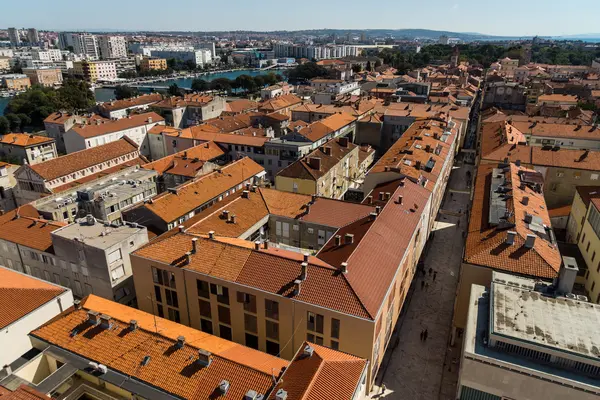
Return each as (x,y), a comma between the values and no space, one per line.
(510,238)
(211,234)
(525,200)
(180,342)
(400,198)
(348,238)
(77,304)
(378,210)
(344,268)
(145,361)
(257,245)
(338,240)
(204,357)
(133,325)
(194,245)
(381,196)
(308,351)
(373,216)
(224,387)
(188,258)
(528,218)
(232,219)
(305,257)
(304,272)
(530,241)
(369,199)
(93,317)
(246,194)
(281,395)
(297,283)
(105,321)
(181,228)
(253,395)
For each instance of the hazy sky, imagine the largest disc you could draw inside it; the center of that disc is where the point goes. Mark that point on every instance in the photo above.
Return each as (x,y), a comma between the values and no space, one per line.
(508,17)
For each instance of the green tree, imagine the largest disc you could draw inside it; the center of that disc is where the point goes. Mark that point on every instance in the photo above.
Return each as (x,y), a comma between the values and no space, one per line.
(171,63)
(377,64)
(270,78)
(76,95)
(221,84)
(15,122)
(356,68)
(174,90)
(259,81)
(4,125)
(306,71)
(369,68)
(25,120)
(125,92)
(246,82)
(200,85)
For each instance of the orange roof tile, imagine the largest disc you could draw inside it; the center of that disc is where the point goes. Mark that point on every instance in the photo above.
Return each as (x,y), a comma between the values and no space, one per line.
(105,127)
(145,99)
(23,392)
(186,162)
(26,227)
(170,369)
(557,130)
(83,159)
(191,195)
(21,294)
(500,140)
(241,105)
(24,139)
(566,158)
(485,243)
(279,103)
(326,374)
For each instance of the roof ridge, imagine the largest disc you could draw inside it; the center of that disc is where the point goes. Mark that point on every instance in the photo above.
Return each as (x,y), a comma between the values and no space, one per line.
(312,381)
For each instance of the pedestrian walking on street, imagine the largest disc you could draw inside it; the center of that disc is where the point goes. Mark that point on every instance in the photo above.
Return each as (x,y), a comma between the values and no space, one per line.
(425,334)
(383,388)
(434,275)
(422,334)
(426,286)
(422,284)
(430,270)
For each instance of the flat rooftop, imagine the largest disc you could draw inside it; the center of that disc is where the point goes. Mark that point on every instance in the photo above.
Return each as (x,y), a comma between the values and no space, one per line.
(99,234)
(519,312)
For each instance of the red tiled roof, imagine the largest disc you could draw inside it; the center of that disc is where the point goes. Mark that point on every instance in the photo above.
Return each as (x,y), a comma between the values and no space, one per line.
(24,139)
(21,294)
(186,162)
(170,369)
(26,227)
(83,159)
(106,127)
(326,374)
(132,102)
(587,193)
(336,213)
(23,392)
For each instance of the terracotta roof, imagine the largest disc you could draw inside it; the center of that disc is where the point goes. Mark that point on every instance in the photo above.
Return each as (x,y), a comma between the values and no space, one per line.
(191,99)
(315,131)
(299,123)
(326,374)
(23,392)
(557,97)
(271,270)
(227,124)
(21,294)
(409,155)
(62,117)
(557,130)
(83,159)
(191,195)
(279,103)
(303,169)
(285,204)
(241,105)
(404,109)
(335,213)
(171,369)
(210,133)
(359,109)
(24,140)
(277,116)
(563,211)
(106,127)
(501,140)
(186,162)
(26,227)
(132,102)
(485,243)
(566,158)
(587,193)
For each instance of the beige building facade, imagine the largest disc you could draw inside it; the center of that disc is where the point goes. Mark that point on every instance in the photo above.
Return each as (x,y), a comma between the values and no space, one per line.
(45,76)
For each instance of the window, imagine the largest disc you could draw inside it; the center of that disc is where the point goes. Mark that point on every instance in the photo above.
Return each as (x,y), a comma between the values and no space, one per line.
(272,348)
(206,325)
(286,230)
(174,315)
(160,310)
(224,315)
(27,269)
(295,187)
(271,309)
(593,256)
(116,273)
(272,330)
(250,323)
(314,322)
(114,256)
(587,248)
(47,276)
(222,293)
(56,279)
(249,301)
(78,289)
(593,286)
(205,310)
(594,177)
(203,289)
(171,297)
(252,341)
(335,328)
(314,339)
(163,277)
(157,294)
(278,228)
(225,332)
(321,237)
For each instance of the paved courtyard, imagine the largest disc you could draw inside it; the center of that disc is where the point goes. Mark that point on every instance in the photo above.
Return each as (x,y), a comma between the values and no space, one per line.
(428,370)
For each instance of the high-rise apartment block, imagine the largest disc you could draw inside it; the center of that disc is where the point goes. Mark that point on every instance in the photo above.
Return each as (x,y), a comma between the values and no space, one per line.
(112,47)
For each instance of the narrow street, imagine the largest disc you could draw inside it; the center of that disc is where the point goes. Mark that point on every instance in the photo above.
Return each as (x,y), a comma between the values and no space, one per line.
(428,370)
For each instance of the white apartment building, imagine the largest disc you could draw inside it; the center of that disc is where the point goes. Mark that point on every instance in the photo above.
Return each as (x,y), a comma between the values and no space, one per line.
(84,43)
(112,47)
(14,36)
(314,52)
(135,127)
(49,55)
(33,36)
(529,340)
(198,57)
(37,303)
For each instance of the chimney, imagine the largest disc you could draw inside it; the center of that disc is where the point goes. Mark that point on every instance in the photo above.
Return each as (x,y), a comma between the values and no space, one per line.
(338,240)
(388,195)
(305,257)
(530,241)
(245,194)
(381,196)
(373,216)
(133,325)
(105,321)
(343,141)
(428,148)
(188,258)
(369,199)
(194,245)
(257,245)
(304,272)
(180,342)
(518,163)
(281,395)
(232,219)
(149,120)
(567,275)
(224,387)
(525,200)
(253,189)
(348,238)
(181,228)
(344,268)
(315,163)
(204,357)
(93,317)
(211,234)
(418,164)
(308,351)
(297,283)
(326,150)
(378,210)
(510,238)
(266,245)
(400,198)
(77,304)
(225,215)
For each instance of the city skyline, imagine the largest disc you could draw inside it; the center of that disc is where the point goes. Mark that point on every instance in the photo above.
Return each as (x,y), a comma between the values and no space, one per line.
(266,16)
